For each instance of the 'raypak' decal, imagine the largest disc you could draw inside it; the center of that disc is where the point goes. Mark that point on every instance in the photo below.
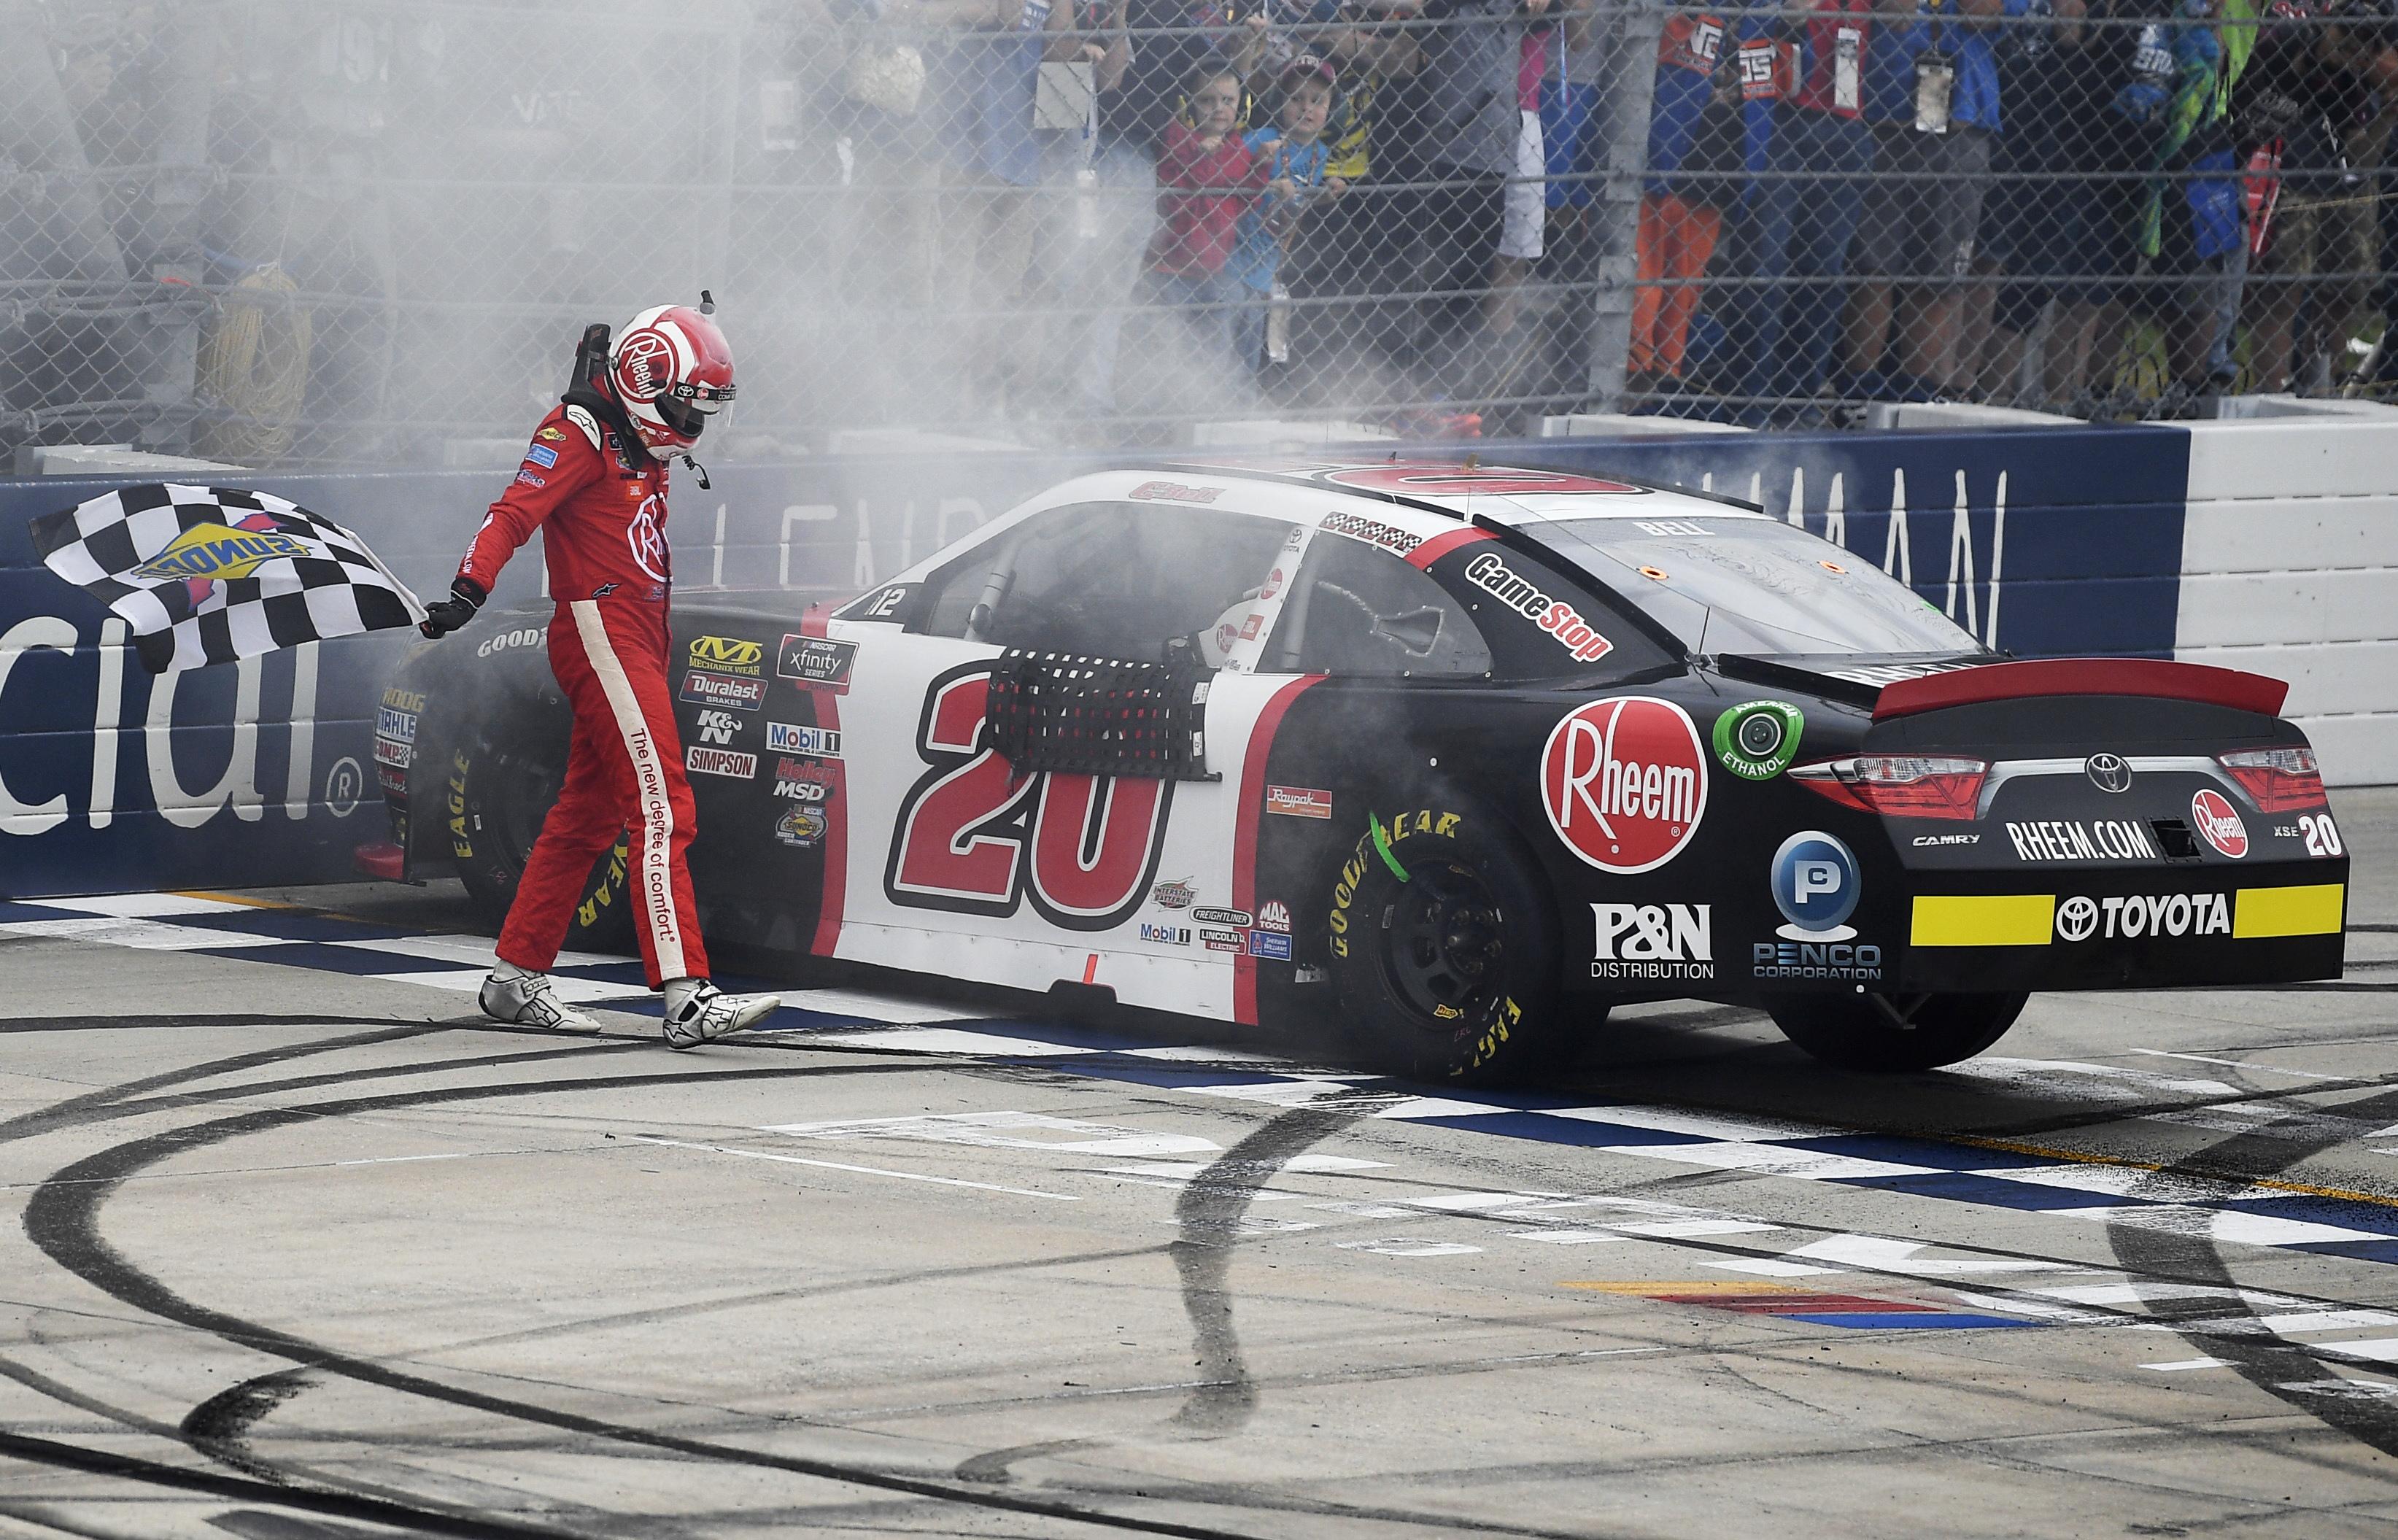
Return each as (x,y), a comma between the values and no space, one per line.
(1624,782)
(1758,740)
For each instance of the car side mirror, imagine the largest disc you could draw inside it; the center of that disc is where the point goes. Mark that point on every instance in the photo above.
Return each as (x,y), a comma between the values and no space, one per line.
(1417,630)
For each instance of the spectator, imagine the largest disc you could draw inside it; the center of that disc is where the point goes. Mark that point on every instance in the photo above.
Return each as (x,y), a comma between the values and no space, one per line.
(1813,72)
(1475,132)
(1936,111)
(989,214)
(1689,124)
(2186,215)
(2301,102)
(1354,251)
(2061,228)
(1206,178)
(1291,156)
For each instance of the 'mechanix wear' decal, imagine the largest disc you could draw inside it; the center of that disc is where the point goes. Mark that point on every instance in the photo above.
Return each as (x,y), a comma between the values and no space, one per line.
(2074,839)
(1653,941)
(1624,782)
(1492,576)
(728,654)
(971,836)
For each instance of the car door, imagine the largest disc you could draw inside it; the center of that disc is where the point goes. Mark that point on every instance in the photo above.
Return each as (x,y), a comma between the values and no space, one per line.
(957,861)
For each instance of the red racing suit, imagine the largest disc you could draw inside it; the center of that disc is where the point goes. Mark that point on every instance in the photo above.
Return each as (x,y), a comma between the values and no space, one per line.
(610,572)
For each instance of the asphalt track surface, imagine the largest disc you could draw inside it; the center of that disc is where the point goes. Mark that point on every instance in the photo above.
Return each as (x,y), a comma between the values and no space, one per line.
(298,1247)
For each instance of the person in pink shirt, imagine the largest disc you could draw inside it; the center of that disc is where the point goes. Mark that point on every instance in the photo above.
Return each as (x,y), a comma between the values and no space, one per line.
(1206,179)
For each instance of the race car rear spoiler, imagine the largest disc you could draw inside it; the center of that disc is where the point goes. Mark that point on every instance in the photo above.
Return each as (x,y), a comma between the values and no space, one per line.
(2083,676)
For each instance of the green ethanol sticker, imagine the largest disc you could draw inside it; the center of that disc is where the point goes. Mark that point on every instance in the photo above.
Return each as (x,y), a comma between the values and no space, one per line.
(1757,741)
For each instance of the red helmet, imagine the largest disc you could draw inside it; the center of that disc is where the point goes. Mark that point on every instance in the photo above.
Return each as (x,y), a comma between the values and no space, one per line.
(673,369)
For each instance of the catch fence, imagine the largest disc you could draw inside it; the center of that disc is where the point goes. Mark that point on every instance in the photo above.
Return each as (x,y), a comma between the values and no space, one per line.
(359,232)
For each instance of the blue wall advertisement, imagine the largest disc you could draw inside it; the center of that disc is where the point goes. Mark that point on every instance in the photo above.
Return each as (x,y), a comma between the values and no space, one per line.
(2042,542)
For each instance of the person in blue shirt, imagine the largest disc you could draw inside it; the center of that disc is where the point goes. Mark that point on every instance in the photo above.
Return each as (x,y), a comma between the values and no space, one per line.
(1933,98)
(1293,154)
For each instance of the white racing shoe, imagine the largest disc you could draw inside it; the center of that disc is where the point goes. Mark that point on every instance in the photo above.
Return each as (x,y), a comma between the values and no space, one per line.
(524,999)
(698,1012)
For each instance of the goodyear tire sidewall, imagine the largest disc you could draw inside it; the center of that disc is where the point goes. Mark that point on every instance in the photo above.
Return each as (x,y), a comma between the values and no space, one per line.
(1497,1037)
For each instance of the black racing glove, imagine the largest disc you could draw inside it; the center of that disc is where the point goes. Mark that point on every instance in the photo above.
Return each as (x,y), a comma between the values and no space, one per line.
(468,596)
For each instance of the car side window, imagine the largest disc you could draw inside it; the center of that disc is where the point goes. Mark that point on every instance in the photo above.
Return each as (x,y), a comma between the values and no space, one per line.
(1104,579)
(1357,609)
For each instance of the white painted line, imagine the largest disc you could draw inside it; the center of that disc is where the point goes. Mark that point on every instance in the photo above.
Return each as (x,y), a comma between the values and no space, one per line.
(144,935)
(1770,1160)
(2233,1225)
(2239,1064)
(1689,1229)
(1570,1238)
(1409,1246)
(2075,1077)
(1707,1126)
(150,905)
(839,1002)
(2379,1350)
(953,1040)
(1884,1253)
(1418,1107)
(468,950)
(1767,1267)
(2179,1365)
(575,992)
(863,1171)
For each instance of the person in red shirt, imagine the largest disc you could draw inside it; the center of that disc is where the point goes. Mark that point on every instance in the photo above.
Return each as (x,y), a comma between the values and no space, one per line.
(1206,180)
(594,481)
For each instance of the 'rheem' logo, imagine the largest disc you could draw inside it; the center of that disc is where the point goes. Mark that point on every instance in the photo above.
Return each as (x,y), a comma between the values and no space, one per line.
(644,364)
(1624,783)
(646,537)
(2219,824)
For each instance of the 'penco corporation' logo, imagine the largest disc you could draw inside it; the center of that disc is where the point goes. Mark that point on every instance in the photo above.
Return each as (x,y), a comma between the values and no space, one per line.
(1624,783)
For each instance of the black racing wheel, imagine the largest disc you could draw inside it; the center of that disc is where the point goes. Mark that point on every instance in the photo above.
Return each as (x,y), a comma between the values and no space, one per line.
(1894,1031)
(496,788)
(1443,949)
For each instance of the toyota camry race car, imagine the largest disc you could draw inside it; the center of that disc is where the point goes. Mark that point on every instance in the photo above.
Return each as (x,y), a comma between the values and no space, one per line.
(1448,759)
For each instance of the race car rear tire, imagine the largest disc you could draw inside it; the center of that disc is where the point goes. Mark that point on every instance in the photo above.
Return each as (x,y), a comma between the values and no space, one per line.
(1855,1033)
(1443,949)
(500,784)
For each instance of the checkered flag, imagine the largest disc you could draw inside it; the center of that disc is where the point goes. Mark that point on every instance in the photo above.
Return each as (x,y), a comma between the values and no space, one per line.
(209,575)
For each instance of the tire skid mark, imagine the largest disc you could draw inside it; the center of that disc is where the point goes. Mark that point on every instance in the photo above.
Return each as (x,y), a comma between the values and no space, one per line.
(2287,1371)
(1209,1211)
(61,1218)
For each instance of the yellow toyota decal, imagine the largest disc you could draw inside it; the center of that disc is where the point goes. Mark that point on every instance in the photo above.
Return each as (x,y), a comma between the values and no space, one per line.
(2006,920)
(2258,913)
(216,550)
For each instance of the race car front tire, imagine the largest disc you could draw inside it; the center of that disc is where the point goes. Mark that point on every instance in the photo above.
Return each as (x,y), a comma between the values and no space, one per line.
(1443,949)
(500,784)
(1894,1033)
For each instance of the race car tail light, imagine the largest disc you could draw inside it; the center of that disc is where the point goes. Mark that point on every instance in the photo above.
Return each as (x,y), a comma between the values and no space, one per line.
(2277,780)
(1903,786)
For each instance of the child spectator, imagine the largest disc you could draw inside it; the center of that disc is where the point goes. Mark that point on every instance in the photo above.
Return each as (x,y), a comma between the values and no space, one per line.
(1290,156)
(1205,178)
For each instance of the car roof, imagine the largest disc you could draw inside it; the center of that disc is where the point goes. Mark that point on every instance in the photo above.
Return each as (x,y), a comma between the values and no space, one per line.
(1427,496)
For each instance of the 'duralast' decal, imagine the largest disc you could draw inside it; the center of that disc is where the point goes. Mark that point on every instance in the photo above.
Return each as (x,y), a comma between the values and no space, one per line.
(1624,782)
(1757,740)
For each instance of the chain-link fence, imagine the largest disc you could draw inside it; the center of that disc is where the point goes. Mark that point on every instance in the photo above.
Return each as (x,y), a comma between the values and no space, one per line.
(274,232)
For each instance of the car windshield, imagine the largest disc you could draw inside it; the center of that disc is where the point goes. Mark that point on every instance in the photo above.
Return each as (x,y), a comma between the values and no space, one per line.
(1731,582)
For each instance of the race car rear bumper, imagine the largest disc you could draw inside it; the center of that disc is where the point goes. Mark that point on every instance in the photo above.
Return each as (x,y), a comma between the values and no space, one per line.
(2132,930)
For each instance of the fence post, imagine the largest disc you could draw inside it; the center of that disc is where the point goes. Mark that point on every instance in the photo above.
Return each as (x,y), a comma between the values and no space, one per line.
(1631,81)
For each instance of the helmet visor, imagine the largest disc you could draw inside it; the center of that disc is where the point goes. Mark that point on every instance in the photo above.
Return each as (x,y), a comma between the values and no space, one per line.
(686,407)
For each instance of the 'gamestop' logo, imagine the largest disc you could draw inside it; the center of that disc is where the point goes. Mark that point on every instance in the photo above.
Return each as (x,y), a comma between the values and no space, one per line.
(1555,616)
(1624,782)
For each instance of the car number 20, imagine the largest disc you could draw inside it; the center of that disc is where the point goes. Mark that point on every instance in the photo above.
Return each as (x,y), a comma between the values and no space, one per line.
(974,836)
(2322,836)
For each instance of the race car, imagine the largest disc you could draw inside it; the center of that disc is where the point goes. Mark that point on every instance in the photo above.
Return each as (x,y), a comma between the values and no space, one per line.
(1442,759)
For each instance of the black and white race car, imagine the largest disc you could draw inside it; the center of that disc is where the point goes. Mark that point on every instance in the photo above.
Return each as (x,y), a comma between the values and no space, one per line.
(1449,758)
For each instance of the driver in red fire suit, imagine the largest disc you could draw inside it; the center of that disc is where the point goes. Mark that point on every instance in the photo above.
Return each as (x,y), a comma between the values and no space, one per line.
(593,481)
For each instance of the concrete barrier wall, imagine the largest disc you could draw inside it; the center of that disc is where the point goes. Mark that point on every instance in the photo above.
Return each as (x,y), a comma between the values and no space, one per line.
(2044,542)
(2290,568)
